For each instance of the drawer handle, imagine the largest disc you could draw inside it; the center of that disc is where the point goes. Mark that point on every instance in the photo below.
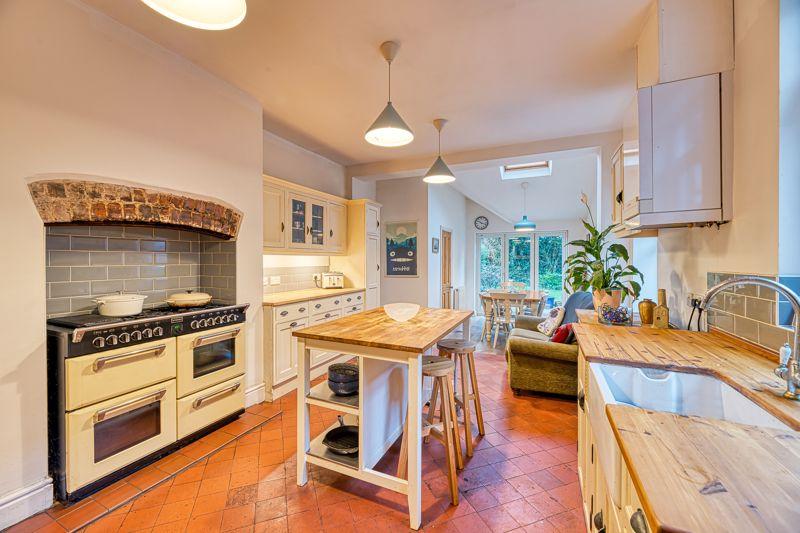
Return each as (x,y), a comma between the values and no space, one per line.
(349,299)
(336,302)
(317,306)
(198,403)
(358,297)
(284,313)
(283,227)
(327,315)
(101,362)
(638,522)
(127,407)
(355,308)
(302,310)
(217,337)
(293,324)
(598,522)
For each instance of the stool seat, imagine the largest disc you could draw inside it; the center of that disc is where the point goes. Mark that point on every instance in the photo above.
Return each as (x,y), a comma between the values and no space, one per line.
(435,366)
(457,345)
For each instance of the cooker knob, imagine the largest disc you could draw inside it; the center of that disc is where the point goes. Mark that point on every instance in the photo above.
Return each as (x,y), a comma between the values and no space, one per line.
(202,322)
(124,337)
(224,319)
(98,342)
(233,317)
(147,333)
(136,335)
(158,331)
(194,324)
(111,340)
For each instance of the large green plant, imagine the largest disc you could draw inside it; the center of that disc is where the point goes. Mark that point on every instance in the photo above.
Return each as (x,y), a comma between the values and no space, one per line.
(598,265)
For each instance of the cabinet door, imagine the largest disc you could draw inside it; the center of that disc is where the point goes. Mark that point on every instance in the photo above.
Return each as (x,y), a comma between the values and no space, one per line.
(373,298)
(373,220)
(274,222)
(320,356)
(297,208)
(337,227)
(373,265)
(285,354)
(316,224)
(617,190)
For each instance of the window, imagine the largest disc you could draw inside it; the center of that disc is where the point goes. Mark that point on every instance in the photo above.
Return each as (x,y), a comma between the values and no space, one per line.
(537,169)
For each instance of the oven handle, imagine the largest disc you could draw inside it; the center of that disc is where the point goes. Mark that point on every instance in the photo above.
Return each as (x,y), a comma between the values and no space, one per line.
(127,407)
(216,337)
(101,362)
(198,403)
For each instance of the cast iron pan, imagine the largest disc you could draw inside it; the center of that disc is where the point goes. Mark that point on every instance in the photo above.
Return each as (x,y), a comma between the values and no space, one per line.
(342,440)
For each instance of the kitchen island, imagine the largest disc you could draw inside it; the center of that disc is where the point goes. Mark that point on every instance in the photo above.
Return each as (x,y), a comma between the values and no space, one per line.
(390,382)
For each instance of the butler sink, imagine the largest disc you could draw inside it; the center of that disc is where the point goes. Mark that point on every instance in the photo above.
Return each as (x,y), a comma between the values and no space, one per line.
(680,393)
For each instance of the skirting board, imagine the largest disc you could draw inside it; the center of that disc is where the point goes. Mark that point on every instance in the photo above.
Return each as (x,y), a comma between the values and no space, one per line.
(255,394)
(27,501)
(289,386)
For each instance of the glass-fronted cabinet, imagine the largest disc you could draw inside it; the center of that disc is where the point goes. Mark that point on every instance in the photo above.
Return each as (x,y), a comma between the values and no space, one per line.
(307,221)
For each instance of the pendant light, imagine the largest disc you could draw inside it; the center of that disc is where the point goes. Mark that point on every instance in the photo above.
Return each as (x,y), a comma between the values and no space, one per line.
(389,129)
(202,14)
(439,171)
(524,224)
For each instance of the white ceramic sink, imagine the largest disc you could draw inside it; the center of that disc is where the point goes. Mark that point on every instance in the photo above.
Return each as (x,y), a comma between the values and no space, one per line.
(680,393)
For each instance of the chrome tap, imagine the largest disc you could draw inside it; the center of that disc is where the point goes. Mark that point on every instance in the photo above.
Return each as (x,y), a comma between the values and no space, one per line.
(789,368)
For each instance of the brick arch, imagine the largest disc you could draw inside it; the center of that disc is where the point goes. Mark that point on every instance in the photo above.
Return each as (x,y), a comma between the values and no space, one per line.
(80,201)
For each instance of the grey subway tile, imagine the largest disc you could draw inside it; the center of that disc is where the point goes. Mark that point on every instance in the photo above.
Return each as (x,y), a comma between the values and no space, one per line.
(89,243)
(167,234)
(68,230)
(189,236)
(178,246)
(106,258)
(152,271)
(734,304)
(152,246)
(55,306)
(761,310)
(106,231)
(123,272)
(69,258)
(187,282)
(57,274)
(107,287)
(177,270)
(138,258)
(138,232)
(125,245)
(138,285)
(70,288)
(208,247)
(57,242)
(166,283)
(189,258)
(773,337)
(745,328)
(160,258)
(82,304)
(89,273)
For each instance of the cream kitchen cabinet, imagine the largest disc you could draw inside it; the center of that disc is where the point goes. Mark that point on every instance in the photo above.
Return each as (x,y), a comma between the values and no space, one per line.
(274,219)
(286,349)
(361,265)
(307,221)
(337,227)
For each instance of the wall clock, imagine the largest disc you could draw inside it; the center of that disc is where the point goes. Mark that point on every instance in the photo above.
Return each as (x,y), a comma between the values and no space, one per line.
(481,223)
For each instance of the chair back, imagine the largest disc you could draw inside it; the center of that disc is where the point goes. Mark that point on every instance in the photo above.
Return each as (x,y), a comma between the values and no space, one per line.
(486,305)
(505,303)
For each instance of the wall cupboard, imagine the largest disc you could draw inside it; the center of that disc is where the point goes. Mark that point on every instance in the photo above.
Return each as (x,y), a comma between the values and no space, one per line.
(301,220)
(362,265)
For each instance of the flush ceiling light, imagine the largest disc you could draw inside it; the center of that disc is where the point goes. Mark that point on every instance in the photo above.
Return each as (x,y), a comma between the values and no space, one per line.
(202,14)
(389,129)
(439,172)
(524,224)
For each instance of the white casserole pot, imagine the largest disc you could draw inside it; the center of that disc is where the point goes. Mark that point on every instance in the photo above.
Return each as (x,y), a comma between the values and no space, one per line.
(188,299)
(120,304)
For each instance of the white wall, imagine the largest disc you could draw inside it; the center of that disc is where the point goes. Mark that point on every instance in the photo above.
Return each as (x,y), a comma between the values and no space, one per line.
(82,94)
(362,189)
(290,162)
(447,208)
(405,200)
(749,243)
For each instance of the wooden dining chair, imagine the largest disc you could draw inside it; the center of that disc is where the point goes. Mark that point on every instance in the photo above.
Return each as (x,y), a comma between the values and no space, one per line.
(488,314)
(505,307)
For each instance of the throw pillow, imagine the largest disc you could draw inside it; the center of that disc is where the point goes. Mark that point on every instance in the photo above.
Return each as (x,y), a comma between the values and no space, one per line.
(553,320)
(562,334)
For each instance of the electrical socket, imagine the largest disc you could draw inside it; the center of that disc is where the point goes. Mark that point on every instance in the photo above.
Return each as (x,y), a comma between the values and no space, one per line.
(693,300)
(274,280)
(317,277)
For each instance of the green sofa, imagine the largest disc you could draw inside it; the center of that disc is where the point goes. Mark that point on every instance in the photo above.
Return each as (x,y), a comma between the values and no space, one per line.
(535,363)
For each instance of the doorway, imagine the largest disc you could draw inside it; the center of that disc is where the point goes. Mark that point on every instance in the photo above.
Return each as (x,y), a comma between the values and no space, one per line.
(446,246)
(534,260)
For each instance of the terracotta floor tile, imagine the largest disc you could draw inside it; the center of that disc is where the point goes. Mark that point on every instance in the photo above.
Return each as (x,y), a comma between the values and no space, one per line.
(236,517)
(335,515)
(214,484)
(542,526)
(141,519)
(218,468)
(107,524)
(525,485)
(244,477)
(194,473)
(270,509)
(206,523)
(276,525)
(242,495)
(480,498)
(178,526)
(305,522)
(172,512)
(82,516)
(210,503)
(545,504)
(187,491)
(147,477)
(567,495)
(522,512)
(271,489)
(151,498)
(118,494)
(31,524)
(498,520)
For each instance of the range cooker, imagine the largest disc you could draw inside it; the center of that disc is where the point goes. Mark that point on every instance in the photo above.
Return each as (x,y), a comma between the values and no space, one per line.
(123,392)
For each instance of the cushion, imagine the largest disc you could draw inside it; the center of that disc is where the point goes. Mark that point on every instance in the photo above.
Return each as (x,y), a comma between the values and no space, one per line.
(529,334)
(552,321)
(561,334)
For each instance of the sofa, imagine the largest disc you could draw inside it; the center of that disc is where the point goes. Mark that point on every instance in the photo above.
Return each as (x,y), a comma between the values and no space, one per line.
(535,363)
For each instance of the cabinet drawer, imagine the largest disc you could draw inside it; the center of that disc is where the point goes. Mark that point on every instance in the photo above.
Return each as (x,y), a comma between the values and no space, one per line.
(327,316)
(353,299)
(92,378)
(205,407)
(326,304)
(349,310)
(293,311)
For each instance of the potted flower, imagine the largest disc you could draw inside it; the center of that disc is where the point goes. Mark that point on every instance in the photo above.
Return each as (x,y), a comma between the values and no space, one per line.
(603,268)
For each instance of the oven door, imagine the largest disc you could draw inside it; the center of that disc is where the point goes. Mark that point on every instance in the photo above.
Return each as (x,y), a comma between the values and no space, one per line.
(210,357)
(109,435)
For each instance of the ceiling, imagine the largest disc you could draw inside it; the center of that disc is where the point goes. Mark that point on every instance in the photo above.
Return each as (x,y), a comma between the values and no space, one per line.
(502,71)
(555,197)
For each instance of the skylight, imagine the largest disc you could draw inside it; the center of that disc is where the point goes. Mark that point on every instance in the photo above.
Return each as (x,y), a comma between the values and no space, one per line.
(536,169)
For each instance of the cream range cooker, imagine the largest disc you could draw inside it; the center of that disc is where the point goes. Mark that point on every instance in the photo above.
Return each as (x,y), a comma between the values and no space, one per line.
(123,392)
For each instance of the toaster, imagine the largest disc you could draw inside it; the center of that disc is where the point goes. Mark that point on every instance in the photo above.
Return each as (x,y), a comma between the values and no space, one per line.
(332,280)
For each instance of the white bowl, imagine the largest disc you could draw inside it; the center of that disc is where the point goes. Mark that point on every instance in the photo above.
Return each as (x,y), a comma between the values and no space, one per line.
(401,312)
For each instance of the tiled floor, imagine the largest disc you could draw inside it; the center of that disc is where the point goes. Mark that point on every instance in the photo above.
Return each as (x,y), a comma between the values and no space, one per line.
(521,478)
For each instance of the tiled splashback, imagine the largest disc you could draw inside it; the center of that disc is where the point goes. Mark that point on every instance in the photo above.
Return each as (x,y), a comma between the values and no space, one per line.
(292,278)
(84,262)
(748,312)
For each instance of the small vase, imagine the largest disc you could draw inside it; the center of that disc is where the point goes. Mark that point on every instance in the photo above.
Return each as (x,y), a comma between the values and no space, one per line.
(646,308)
(610,297)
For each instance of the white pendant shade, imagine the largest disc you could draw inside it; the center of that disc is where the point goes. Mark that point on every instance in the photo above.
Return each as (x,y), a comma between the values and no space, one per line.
(439,172)
(389,129)
(202,14)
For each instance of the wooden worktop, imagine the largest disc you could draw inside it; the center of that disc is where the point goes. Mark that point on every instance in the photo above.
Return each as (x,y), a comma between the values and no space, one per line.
(290,297)
(698,474)
(375,329)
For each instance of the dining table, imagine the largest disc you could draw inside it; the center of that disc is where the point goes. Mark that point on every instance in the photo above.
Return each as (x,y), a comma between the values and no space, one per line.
(389,355)
(529,297)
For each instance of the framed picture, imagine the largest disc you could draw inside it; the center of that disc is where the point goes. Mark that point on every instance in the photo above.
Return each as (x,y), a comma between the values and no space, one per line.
(401,249)
(435,245)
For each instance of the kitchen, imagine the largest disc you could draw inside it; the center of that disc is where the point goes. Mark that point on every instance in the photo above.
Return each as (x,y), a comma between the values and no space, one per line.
(98,97)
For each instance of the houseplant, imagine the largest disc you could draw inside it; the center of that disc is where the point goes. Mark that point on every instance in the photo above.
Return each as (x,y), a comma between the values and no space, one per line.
(603,268)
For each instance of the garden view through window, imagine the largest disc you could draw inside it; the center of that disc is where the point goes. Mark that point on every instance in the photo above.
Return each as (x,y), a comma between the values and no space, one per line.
(530,260)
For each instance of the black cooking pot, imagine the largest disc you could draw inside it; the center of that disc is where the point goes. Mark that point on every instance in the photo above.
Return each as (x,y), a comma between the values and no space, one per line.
(343,378)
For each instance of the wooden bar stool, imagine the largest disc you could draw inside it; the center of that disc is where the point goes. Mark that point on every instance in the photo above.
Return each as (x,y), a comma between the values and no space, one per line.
(442,370)
(463,351)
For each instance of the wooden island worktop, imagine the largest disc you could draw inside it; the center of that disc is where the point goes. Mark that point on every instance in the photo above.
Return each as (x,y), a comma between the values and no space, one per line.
(701,474)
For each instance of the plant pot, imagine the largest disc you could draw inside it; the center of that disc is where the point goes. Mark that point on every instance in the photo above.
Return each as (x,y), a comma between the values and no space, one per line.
(611,297)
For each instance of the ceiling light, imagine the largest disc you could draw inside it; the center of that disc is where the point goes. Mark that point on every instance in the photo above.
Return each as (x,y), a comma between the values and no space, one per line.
(439,171)
(202,14)
(389,129)
(524,224)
